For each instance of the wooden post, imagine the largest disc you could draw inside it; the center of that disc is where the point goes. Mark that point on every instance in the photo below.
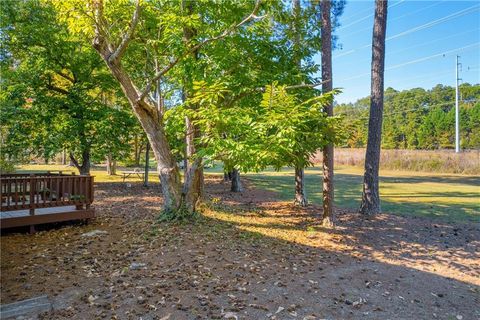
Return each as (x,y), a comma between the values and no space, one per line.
(32,200)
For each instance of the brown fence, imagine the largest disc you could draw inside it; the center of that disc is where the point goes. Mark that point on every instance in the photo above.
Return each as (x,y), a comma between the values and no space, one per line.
(32,191)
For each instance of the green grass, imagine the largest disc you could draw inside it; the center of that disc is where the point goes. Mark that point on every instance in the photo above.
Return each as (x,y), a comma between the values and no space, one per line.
(450,197)
(100,173)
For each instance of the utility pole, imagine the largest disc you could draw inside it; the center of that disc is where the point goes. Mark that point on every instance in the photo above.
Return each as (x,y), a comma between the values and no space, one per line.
(457,111)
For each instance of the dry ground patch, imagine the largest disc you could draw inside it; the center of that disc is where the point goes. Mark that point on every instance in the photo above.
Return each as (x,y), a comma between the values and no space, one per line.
(247,256)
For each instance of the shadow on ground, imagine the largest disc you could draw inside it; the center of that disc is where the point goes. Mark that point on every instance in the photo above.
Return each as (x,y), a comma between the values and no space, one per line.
(246,257)
(398,194)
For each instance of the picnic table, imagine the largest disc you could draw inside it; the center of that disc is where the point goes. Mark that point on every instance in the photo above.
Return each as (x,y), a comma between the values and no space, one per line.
(138,173)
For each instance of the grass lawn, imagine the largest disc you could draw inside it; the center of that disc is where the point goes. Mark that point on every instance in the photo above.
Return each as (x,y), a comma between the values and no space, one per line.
(447,196)
(100,173)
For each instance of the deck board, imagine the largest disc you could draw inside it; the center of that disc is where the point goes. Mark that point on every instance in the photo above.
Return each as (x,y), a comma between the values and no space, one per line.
(19,218)
(39,211)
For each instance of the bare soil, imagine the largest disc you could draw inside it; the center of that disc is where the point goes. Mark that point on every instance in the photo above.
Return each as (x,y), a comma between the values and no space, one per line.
(246,256)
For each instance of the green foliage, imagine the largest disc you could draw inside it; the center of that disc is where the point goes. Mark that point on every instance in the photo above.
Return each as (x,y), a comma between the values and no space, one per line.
(282,130)
(418,118)
(56,94)
(237,125)
(181,215)
(6,166)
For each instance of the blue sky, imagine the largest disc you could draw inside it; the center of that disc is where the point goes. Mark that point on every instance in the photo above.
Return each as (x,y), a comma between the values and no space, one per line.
(425,37)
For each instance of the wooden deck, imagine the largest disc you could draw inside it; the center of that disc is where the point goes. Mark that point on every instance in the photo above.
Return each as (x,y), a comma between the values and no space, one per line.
(19,218)
(29,200)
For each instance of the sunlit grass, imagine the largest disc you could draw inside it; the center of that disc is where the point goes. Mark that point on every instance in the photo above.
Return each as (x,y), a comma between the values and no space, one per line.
(452,197)
(100,173)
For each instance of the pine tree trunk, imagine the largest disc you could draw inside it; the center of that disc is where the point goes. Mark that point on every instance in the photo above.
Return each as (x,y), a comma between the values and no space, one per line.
(370,196)
(300,194)
(327,85)
(236,182)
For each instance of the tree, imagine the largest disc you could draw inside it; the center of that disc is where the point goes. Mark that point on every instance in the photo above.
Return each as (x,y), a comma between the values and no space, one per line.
(56,94)
(417,118)
(283,130)
(371,196)
(153,32)
(300,192)
(327,86)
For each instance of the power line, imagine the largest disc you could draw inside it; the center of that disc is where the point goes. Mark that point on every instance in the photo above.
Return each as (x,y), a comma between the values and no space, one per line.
(433,41)
(415,61)
(418,10)
(435,22)
(432,56)
(397,18)
(423,76)
(368,16)
(359,12)
(422,44)
(416,29)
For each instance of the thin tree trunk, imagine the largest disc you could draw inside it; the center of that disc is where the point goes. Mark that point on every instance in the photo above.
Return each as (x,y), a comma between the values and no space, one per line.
(64,157)
(236,182)
(84,168)
(300,194)
(328,187)
(193,168)
(192,131)
(227,176)
(176,198)
(371,196)
(111,165)
(136,151)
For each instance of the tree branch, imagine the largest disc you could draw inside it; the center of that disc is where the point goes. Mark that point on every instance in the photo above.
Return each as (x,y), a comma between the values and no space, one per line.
(74,161)
(127,36)
(307,85)
(65,76)
(222,35)
(57,89)
(100,42)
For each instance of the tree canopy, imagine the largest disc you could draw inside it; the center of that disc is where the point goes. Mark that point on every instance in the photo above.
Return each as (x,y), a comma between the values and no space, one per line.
(56,93)
(419,118)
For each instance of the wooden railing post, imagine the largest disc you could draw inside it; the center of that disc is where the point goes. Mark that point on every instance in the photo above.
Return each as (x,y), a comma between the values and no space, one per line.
(32,199)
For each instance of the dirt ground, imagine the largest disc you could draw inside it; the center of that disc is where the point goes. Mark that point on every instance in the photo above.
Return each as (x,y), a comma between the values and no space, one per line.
(246,257)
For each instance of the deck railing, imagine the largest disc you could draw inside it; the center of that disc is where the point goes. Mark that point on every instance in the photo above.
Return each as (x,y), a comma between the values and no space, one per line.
(32,191)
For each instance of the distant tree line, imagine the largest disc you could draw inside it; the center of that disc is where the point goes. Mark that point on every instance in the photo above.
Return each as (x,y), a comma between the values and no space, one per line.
(418,118)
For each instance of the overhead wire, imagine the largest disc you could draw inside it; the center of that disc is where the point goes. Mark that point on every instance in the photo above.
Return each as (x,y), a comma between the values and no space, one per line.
(397,18)
(435,22)
(368,16)
(416,29)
